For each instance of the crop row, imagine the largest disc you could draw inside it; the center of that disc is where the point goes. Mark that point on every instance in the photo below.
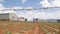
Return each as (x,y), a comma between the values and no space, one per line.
(29,28)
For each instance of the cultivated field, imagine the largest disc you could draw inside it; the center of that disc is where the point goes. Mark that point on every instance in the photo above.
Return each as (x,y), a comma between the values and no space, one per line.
(29,28)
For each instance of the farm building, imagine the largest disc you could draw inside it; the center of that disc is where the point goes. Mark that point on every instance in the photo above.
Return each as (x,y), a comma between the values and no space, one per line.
(20,19)
(8,16)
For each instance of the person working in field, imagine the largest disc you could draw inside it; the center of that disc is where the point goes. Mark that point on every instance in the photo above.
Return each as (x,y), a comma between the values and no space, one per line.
(35,19)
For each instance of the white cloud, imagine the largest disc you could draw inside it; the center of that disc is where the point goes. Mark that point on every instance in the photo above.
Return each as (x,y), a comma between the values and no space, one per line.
(54,3)
(45,3)
(20,14)
(29,8)
(17,7)
(23,1)
(21,8)
(33,14)
(37,14)
(7,11)
(1,6)
(1,1)
(41,15)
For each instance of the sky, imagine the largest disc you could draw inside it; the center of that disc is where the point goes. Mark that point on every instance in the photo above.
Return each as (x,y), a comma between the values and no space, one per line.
(30,4)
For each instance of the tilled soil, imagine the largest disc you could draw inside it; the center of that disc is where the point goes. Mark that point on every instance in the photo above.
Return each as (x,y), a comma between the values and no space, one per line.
(29,28)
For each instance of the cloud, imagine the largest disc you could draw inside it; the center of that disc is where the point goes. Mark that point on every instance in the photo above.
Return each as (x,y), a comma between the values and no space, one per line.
(33,13)
(1,6)
(1,1)
(7,11)
(27,8)
(45,3)
(56,3)
(41,15)
(17,7)
(53,3)
(23,1)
